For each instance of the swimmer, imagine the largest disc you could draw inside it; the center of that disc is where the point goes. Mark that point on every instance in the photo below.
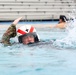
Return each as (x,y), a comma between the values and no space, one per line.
(26,34)
(61,24)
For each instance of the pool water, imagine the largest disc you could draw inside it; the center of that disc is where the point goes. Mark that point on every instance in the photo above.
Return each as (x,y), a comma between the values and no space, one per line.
(43,59)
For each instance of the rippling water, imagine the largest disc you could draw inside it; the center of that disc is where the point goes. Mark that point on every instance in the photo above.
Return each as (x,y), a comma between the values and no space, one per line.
(41,59)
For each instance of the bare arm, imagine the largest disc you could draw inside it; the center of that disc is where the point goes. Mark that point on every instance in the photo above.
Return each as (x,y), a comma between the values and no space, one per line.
(60,25)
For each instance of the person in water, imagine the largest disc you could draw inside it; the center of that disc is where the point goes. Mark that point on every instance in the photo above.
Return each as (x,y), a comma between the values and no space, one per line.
(61,24)
(26,34)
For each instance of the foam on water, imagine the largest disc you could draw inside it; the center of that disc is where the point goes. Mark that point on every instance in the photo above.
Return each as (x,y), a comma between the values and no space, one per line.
(43,59)
(70,40)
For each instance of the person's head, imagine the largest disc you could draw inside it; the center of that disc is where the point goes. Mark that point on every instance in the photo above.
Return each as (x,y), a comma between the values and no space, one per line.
(27,35)
(62,18)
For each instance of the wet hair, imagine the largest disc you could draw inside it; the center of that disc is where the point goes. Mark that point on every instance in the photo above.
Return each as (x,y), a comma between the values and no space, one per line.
(63,18)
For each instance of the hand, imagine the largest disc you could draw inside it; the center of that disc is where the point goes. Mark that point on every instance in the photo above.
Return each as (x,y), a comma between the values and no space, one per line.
(17,20)
(52,26)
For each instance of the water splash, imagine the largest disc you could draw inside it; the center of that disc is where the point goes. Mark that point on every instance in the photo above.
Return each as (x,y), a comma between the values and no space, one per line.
(70,40)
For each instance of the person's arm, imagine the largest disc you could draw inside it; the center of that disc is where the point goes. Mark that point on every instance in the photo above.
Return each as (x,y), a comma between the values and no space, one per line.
(10,32)
(60,25)
(52,26)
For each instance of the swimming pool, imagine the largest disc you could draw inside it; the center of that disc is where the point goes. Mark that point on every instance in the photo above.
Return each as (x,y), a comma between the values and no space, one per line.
(45,59)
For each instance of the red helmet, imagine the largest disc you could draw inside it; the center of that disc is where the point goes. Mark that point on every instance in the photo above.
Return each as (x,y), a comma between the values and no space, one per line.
(27,30)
